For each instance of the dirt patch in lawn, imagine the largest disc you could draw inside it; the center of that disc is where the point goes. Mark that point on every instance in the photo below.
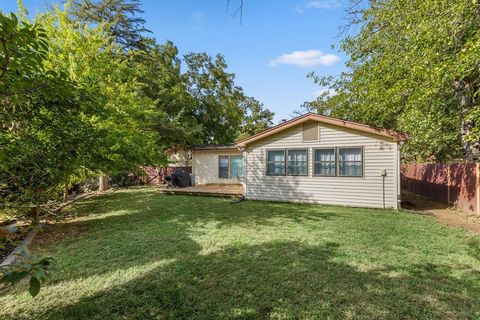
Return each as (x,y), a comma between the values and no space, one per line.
(442,212)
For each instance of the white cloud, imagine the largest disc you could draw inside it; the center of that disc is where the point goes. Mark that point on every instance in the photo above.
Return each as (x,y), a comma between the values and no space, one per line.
(321,4)
(308,58)
(326,4)
(329,93)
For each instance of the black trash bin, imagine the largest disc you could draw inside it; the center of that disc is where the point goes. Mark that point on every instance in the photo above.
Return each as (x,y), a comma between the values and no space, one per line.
(180,179)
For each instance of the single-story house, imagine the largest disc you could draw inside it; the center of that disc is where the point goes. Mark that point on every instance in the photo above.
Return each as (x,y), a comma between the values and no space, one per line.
(311,158)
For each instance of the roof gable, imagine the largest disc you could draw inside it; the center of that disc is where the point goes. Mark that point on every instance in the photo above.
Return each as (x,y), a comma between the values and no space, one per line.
(390,134)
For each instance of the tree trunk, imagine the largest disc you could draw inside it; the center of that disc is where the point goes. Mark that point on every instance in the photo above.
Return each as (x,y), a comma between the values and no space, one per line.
(103,184)
(465,93)
(35,216)
(471,149)
(65,189)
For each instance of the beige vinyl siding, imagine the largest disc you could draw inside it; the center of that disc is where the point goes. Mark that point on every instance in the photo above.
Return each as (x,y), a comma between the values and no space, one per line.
(179,159)
(378,154)
(205,167)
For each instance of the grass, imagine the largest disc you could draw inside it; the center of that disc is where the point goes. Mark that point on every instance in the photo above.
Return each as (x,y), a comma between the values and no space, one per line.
(142,255)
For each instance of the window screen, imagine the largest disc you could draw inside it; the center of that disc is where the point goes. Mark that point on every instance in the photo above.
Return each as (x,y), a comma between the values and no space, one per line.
(276,162)
(223,167)
(350,162)
(297,162)
(324,162)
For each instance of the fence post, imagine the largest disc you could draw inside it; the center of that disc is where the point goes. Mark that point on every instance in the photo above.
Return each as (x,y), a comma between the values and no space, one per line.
(477,193)
(448,183)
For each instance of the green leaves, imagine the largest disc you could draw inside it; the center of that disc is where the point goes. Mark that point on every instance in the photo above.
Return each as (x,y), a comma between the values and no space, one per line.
(256,118)
(120,18)
(22,48)
(28,266)
(75,102)
(405,67)
(34,288)
(72,109)
(199,104)
(214,98)
(82,105)
(9,23)
(13,277)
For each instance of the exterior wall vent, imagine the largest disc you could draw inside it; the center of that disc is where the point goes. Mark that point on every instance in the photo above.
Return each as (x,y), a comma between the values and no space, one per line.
(311,131)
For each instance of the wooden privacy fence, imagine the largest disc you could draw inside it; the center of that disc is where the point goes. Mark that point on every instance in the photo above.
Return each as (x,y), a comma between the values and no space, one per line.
(455,184)
(156,175)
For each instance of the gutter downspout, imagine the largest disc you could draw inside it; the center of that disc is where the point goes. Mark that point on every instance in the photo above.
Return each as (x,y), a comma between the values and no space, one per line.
(193,168)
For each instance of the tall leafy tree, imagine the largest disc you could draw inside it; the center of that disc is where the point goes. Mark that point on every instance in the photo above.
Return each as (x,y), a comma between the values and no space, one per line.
(76,108)
(256,119)
(121,117)
(200,104)
(34,102)
(413,66)
(122,17)
(159,70)
(215,98)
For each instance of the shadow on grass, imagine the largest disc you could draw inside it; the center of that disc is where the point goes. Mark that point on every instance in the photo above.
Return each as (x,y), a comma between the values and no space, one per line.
(150,227)
(276,279)
(192,209)
(280,280)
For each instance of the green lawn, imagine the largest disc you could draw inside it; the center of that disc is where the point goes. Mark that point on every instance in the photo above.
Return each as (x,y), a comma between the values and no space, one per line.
(143,255)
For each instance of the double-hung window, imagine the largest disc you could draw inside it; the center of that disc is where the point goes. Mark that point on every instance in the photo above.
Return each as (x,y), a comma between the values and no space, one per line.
(230,167)
(350,162)
(223,168)
(236,167)
(324,163)
(276,162)
(291,162)
(297,162)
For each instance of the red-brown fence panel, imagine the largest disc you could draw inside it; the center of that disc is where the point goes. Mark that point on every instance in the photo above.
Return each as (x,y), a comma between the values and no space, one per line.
(157,175)
(455,184)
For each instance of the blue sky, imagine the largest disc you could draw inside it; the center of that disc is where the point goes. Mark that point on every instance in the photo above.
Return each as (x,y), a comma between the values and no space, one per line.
(271,53)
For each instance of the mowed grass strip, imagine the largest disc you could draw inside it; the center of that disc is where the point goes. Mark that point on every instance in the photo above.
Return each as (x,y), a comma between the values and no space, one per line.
(137,254)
